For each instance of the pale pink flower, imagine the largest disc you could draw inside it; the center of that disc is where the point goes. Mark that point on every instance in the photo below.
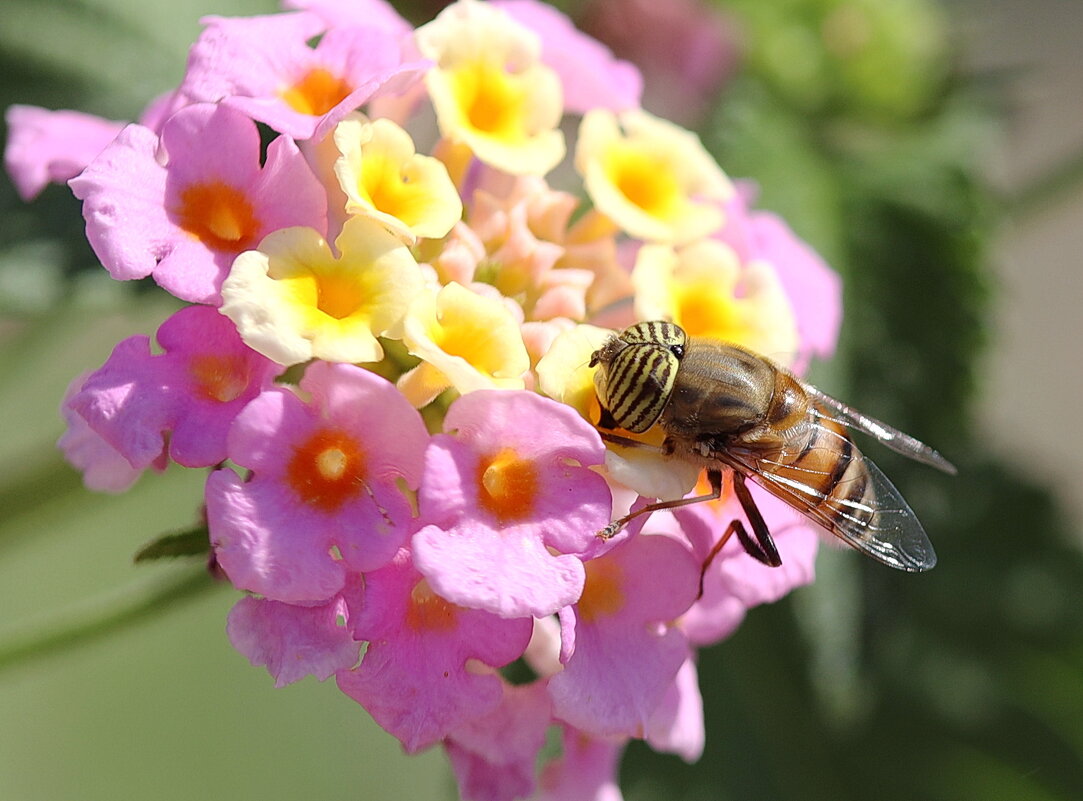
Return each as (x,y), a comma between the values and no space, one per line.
(104,468)
(293,641)
(179,403)
(735,582)
(586,770)
(427,669)
(323,495)
(494,756)
(266,68)
(45,147)
(620,652)
(814,289)
(511,504)
(589,74)
(182,209)
(676,726)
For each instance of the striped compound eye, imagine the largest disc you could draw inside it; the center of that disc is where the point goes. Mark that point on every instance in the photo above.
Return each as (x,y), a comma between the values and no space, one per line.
(638,371)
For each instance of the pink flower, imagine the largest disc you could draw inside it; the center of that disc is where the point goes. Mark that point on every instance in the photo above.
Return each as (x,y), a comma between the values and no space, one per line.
(494,756)
(46,147)
(586,770)
(676,726)
(185,220)
(735,582)
(293,641)
(104,468)
(425,671)
(265,68)
(620,653)
(181,402)
(591,77)
(686,49)
(322,498)
(373,13)
(814,289)
(511,504)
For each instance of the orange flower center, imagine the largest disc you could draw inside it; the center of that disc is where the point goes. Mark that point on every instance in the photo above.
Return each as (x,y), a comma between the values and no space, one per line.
(327,470)
(219,378)
(316,93)
(507,486)
(602,594)
(218,215)
(427,611)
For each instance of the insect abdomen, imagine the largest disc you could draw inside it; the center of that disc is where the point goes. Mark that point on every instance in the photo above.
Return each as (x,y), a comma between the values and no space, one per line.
(829,471)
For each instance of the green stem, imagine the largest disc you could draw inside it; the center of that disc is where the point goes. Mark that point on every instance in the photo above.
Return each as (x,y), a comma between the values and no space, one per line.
(95,619)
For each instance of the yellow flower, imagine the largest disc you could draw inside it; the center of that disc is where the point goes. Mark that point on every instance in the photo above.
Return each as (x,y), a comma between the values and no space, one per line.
(294,300)
(465,340)
(654,179)
(564,374)
(705,290)
(384,178)
(490,89)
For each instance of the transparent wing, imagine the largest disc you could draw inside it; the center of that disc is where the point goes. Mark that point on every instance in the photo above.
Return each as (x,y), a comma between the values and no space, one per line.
(833,484)
(891,437)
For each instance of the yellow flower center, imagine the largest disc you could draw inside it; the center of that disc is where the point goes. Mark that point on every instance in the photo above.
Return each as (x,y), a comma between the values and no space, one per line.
(218,215)
(705,310)
(219,378)
(507,486)
(602,594)
(645,182)
(327,470)
(491,98)
(316,93)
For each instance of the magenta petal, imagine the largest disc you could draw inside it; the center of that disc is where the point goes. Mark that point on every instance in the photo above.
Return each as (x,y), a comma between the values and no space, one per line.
(814,289)
(374,13)
(292,641)
(414,678)
(677,724)
(126,402)
(263,432)
(249,56)
(123,194)
(586,769)
(617,677)
(509,573)
(214,375)
(103,467)
(589,74)
(264,546)
(46,147)
(494,756)
(392,431)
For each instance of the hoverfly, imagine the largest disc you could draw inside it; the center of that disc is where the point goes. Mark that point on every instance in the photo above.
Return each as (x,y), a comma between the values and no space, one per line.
(721,406)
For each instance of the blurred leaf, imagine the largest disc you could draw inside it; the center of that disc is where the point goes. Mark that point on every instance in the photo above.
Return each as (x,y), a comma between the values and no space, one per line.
(192,542)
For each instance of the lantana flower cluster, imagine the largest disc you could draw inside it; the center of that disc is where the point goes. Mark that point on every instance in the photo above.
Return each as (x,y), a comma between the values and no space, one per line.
(398,249)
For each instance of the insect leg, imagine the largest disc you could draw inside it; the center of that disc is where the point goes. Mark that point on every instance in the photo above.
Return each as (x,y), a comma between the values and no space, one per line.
(763,549)
(714,476)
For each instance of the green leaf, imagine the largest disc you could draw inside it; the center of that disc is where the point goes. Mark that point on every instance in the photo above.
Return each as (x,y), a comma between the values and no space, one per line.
(192,542)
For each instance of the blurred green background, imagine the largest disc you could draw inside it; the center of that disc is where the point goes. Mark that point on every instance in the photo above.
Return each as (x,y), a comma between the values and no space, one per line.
(886,132)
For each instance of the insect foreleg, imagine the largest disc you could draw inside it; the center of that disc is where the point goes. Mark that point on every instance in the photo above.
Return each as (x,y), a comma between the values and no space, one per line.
(714,476)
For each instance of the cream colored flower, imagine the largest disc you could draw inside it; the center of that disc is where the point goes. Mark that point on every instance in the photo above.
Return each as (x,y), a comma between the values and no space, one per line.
(386,179)
(653,178)
(464,340)
(705,290)
(490,89)
(294,300)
